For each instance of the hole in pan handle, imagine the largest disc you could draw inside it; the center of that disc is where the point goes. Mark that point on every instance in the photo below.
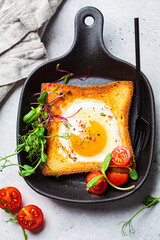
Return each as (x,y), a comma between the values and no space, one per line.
(88,40)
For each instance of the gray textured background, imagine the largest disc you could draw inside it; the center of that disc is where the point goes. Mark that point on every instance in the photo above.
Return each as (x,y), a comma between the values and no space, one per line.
(75,221)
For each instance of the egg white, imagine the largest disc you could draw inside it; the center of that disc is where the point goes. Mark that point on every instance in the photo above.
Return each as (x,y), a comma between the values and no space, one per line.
(94,110)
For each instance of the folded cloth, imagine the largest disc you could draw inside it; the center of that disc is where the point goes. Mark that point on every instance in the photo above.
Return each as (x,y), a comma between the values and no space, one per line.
(21,49)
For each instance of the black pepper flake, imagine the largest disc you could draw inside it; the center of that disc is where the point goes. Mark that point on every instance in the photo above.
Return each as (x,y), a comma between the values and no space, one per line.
(83,126)
(102,114)
(74,159)
(98,134)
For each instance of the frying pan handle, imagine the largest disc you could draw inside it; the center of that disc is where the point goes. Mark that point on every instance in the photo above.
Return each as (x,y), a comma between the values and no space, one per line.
(88,39)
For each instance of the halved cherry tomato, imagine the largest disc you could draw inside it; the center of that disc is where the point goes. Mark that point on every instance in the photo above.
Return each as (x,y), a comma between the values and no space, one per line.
(100,187)
(10,197)
(120,156)
(30,217)
(117,178)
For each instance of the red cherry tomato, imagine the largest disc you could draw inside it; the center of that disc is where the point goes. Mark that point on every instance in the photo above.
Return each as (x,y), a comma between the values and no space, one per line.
(100,187)
(117,178)
(10,197)
(120,156)
(30,217)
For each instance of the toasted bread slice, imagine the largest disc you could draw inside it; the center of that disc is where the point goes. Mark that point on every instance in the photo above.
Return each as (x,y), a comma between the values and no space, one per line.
(117,96)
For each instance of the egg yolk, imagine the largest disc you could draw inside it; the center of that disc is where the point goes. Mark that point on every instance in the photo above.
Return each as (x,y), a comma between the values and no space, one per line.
(90,141)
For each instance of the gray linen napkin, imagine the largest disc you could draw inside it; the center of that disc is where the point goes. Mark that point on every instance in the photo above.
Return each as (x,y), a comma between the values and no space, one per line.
(21,49)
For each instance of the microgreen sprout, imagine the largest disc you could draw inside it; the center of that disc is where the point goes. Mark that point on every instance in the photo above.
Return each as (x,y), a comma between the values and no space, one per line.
(68,72)
(36,120)
(66,76)
(127,228)
(34,141)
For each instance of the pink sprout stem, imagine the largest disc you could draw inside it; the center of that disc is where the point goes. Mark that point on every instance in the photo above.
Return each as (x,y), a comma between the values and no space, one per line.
(51,87)
(75,113)
(65,71)
(65,123)
(46,86)
(61,90)
(55,99)
(37,94)
(34,103)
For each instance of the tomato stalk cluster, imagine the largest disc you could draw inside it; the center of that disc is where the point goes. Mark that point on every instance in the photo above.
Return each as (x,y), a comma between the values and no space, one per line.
(96,179)
(29,217)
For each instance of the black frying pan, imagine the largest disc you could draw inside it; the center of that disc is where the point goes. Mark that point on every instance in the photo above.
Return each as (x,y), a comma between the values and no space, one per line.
(87,50)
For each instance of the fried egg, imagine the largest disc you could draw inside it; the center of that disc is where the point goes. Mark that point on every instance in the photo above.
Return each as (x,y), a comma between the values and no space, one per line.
(93,131)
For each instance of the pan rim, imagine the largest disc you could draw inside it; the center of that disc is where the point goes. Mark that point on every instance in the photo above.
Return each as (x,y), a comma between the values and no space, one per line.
(99,200)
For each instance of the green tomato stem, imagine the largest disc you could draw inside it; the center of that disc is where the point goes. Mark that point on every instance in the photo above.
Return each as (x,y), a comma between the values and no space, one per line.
(24,234)
(116,187)
(12,215)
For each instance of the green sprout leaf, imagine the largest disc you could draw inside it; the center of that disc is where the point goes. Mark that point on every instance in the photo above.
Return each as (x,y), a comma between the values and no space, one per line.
(30,141)
(57,67)
(93,181)
(106,162)
(28,170)
(7,210)
(55,90)
(33,115)
(133,174)
(148,200)
(20,147)
(128,224)
(12,220)
(66,77)
(27,148)
(25,173)
(131,159)
(43,157)
(43,98)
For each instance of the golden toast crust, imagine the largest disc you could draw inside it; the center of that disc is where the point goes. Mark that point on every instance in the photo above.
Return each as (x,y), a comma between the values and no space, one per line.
(116,95)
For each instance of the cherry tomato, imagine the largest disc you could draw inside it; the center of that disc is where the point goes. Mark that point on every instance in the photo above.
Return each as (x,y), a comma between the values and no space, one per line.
(117,178)
(100,187)
(10,197)
(30,217)
(120,156)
